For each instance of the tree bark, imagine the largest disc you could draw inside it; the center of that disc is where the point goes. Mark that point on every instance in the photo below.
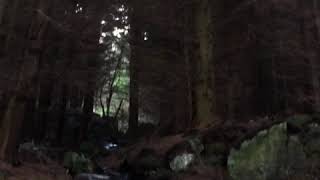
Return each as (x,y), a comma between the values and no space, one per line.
(313,60)
(204,73)
(118,109)
(13,12)
(44,104)
(10,128)
(62,113)
(28,122)
(101,103)
(135,34)
(87,114)
(187,64)
(2,9)
(11,124)
(134,98)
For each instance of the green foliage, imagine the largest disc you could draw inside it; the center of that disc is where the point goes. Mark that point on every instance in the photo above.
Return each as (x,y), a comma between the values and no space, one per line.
(114,78)
(122,82)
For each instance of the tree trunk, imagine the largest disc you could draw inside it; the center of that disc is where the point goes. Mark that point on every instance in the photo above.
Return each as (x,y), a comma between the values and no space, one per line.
(36,31)
(87,114)
(101,103)
(313,60)
(3,105)
(44,104)
(10,129)
(187,48)
(62,114)
(28,122)
(134,97)
(204,73)
(118,110)
(11,124)
(2,8)
(13,12)
(135,34)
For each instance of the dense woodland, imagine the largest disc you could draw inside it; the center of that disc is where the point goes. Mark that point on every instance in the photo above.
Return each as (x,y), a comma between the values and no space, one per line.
(127,84)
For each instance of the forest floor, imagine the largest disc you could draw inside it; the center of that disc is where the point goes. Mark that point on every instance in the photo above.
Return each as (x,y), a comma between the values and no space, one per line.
(33,171)
(153,154)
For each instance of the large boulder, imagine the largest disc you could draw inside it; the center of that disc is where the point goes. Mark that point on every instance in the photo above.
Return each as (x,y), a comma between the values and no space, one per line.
(290,149)
(260,158)
(183,155)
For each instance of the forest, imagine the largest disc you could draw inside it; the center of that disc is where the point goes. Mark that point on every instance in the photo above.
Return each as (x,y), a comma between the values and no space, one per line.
(159,90)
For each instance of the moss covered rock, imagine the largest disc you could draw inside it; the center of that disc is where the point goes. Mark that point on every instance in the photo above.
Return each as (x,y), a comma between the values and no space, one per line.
(278,153)
(260,158)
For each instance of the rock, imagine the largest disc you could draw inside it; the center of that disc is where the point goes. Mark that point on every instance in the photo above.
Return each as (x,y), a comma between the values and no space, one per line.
(277,153)
(296,123)
(28,146)
(180,148)
(311,139)
(196,145)
(314,129)
(92,177)
(29,152)
(296,157)
(77,163)
(182,162)
(313,146)
(260,158)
